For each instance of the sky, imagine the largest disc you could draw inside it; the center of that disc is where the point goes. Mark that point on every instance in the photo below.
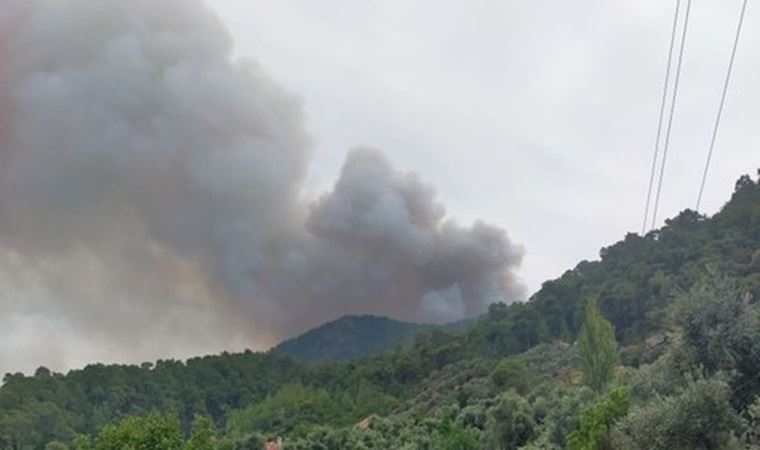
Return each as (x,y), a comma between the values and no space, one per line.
(539,116)
(179,179)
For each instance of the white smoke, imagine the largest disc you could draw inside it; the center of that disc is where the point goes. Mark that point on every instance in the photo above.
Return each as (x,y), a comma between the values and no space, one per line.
(151,199)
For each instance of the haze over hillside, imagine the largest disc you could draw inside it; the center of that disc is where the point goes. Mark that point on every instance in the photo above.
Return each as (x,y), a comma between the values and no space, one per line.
(697,279)
(153,199)
(176,182)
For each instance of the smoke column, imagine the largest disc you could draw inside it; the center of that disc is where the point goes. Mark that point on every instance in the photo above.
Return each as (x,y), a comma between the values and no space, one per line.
(152,199)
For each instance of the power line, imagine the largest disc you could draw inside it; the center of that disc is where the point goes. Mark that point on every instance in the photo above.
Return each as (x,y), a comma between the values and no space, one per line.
(662,115)
(672,111)
(722,102)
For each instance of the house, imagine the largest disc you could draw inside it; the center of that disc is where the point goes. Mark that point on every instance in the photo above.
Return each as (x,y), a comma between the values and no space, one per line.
(274,445)
(363,425)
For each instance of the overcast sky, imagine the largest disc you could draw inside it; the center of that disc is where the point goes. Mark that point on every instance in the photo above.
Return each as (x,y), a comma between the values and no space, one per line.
(538,116)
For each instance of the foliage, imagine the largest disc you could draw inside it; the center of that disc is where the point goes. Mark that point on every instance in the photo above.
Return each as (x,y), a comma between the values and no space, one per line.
(510,423)
(202,437)
(557,410)
(697,417)
(454,437)
(598,349)
(547,362)
(38,409)
(720,332)
(151,432)
(511,373)
(596,422)
(351,337)
(752,435)
(635,279)
(291,406)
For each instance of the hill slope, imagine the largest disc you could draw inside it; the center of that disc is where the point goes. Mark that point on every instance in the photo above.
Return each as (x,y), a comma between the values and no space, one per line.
(636,278)
(358,336)
(351,337)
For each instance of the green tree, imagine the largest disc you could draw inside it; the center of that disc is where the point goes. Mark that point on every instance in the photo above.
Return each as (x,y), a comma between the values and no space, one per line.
(293,406)
(720,332)
(151,432)
(598,348)
(203,435)
(593,433)
(453,437)
(752,435)
(557,409)
(699,416)
(511,373)
(510,423)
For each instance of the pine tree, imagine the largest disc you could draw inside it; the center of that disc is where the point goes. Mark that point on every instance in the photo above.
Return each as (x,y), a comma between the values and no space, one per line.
(598,348)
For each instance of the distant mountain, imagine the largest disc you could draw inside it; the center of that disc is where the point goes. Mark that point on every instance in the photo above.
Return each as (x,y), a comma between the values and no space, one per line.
(352,337)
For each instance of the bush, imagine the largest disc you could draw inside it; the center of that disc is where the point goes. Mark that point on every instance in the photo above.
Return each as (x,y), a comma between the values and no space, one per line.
(151,432)
(698,417)
(511,373)
(597,421)
(510,423)
(557,410)
(453,437)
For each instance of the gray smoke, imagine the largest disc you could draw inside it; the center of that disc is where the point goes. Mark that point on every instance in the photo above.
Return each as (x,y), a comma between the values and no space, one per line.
(152,198)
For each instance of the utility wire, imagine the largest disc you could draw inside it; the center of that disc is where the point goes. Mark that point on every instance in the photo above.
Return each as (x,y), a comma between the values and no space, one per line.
(672,111)
(662,116)
(722,103)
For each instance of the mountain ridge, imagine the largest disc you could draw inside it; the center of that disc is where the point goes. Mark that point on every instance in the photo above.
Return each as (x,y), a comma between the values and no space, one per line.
(354,336)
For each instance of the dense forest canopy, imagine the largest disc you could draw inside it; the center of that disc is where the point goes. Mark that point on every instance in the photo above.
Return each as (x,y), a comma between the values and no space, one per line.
(351,337)
(676,311)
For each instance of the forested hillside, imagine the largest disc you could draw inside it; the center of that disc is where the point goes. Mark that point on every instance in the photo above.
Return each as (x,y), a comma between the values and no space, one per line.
(351,337)
(636,277)
(654,346)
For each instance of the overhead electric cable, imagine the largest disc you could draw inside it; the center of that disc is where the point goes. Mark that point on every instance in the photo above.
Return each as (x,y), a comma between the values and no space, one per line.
(662,115)
(722,102)
(672,111)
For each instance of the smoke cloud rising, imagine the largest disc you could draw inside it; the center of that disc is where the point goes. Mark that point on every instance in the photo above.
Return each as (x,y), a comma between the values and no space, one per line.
(152,199)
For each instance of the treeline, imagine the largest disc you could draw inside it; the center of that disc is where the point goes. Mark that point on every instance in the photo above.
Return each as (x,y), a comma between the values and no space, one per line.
(636,278)
(703,392)
(696,278)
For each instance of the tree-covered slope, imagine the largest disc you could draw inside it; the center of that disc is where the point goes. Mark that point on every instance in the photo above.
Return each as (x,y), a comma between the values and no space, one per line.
(702,393)
(635,279)
(354,337)
(351,337)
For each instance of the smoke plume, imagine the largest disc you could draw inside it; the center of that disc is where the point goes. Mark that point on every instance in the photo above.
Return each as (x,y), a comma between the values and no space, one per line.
(152,199)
